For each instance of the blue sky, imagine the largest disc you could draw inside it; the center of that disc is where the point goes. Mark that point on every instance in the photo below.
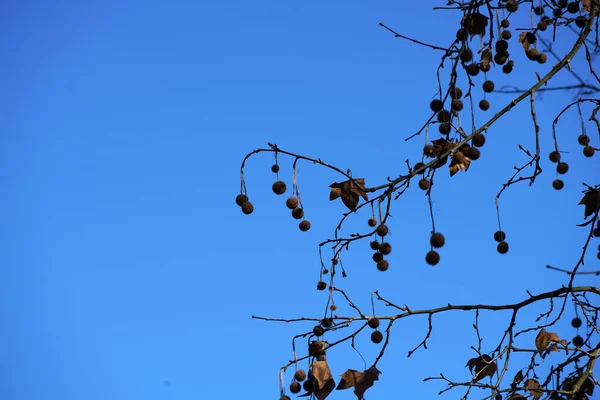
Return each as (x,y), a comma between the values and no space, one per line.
(127,265)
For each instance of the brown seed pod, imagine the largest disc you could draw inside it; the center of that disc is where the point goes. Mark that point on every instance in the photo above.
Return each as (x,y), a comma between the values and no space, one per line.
(462,34)
(456,93)
(457,105)
(501,46)
(443,116)
(428,150)
(300,375)
(327,322)
(558,184)
(372,222)
(501,58)
(507,69)
(478,140)
(247,208)
(588,151)
(562,168)
(488,86)
(318,330)
(583,139)
(466,55)
(554,156)
(304,225)
(444,128)
(373,322)
(436,105)
(383,265)
(581,21)
(418,166)
(385,248)
(472,69)
(473,153)
(437,240)
(542,26)
(284,397)
(298,213)
(532,54)
(499,236)
(542,58)
(573,7)
(308,386)
(320,286)
(275,168)
(241,199)
(382,230)
(377,256)
(424,184)
(538,10)
(505,23)
(374,245)
(376,337)
(432,257)
(295,387)
(279,187)
(485,67)
(512,6)
(292,202)
(506,34)
(484,105)
(502,247)
(459,157)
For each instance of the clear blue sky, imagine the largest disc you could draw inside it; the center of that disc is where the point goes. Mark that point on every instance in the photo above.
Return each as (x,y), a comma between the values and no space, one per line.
(127,270)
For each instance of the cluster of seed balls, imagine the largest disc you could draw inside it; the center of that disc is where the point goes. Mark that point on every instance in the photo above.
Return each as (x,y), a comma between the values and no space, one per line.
(296,385)
(577,340)
(563,167)
(279,188)
(382,248)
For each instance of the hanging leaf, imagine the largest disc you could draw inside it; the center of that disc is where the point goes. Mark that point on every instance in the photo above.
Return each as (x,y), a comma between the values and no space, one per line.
(591,200)
(586,5)
(533,387)
(483,366)
(546,342)
(350,191)
(518,378)
(361,381)
(527,39)
(486,58)
(460,162)
(324,383)
(475,23)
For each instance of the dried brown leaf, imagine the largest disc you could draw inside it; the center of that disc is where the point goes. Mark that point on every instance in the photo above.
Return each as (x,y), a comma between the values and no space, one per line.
(361,381)
(460,162)
(486,57)
(527,39)
(482,366)
(349,191)
(518,378)
(475,23)
(591,200)
(323,380)
(533,387)
(586,5)
(546,342)
(516,396)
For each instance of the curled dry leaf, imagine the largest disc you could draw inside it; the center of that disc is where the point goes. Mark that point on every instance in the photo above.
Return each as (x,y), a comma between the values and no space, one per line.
(483,366)
(518,378)
(533,387)
(475,23)
(361,381)
(486,57)
(587,388)
(323,380)
(527,39)
(349,191)
(546,342)
(460,162)
(591,200)
(586,5)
